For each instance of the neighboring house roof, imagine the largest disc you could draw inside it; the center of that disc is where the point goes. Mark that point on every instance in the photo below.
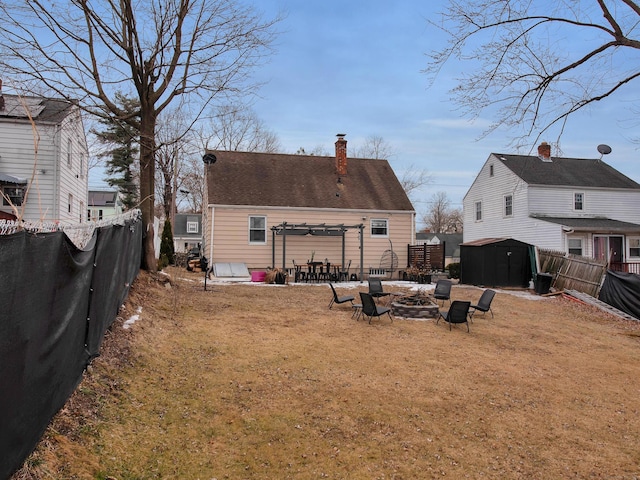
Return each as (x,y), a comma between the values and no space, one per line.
(282,180)
(40,109)
(102,198)
(451,241)
(180,221)
(591,224)
(571,172)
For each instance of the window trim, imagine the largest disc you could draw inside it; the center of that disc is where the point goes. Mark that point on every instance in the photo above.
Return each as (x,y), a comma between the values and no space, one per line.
(507,206)
(373,230)
(478,211)
(250,230)
(16,194)
(629,241)
(569,248)
(575,203)
(192,227)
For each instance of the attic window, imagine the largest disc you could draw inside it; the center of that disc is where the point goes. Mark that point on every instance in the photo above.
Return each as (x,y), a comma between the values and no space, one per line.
(192,227)
(491,170)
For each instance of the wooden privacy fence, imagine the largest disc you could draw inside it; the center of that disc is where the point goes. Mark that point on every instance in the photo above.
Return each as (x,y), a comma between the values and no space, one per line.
(428,257)
(573,272)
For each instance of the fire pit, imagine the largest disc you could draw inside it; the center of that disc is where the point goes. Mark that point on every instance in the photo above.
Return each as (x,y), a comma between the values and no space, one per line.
(419,306)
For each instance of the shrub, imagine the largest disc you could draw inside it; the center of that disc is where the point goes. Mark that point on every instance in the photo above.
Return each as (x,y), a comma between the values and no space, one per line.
(454,270)
(167,251)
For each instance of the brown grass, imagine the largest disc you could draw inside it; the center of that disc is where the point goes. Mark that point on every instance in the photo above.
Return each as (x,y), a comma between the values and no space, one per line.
(265,382)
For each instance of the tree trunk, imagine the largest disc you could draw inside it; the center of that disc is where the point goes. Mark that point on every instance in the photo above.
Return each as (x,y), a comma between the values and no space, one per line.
(147,196)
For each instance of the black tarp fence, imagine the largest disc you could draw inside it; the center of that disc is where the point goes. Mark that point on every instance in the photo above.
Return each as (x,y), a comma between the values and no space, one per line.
(622,290)
(57,301)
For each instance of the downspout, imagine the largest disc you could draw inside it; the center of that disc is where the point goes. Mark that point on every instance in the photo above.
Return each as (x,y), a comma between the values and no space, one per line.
(361,252)
(211,218)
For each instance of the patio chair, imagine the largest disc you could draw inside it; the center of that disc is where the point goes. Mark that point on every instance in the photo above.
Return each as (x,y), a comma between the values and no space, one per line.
(343,275)
(337,299)
(375,288)
(457,313)
(484,304)
(300,275)
(370,309)
(443,291)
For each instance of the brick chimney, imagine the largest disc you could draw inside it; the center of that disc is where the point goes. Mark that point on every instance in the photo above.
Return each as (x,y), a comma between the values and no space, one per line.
(341,154)
(1,97)
(544,152)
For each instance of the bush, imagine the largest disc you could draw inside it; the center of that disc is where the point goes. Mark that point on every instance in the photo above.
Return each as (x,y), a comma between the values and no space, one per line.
(167,251)
(454,270)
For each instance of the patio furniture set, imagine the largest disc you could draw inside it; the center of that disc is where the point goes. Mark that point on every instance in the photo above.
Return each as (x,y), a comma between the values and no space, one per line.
(418,306)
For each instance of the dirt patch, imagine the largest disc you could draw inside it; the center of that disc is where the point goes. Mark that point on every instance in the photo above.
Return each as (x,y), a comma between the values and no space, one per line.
(264,381)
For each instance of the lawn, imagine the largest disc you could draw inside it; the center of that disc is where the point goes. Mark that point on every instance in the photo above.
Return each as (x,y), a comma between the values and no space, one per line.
(265,382)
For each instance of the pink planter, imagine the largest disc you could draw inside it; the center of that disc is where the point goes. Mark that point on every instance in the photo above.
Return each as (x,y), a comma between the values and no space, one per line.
(258,276)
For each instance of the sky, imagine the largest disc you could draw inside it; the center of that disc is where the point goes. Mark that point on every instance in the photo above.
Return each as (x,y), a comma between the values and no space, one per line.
(356,67)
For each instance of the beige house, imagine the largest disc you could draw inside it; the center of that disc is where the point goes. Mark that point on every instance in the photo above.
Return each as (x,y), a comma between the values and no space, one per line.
(265,209)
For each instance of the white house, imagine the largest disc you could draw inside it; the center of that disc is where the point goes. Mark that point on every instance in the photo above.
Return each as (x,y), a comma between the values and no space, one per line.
(187,231)
(104,204)
(43,160)
(579,206)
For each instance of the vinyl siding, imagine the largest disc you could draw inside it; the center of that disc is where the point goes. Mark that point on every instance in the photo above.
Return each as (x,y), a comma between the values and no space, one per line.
(231,237)
(558,202)
(49,191)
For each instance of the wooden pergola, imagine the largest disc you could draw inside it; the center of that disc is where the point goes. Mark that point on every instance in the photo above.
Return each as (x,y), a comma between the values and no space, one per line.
(314,230)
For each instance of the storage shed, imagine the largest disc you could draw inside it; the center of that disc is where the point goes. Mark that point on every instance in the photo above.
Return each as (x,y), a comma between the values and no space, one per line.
(495,262)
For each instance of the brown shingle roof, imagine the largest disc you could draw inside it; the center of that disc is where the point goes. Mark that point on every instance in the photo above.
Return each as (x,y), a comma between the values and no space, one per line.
(281,180)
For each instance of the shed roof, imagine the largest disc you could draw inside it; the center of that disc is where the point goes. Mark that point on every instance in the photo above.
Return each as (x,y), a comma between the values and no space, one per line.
(285,180)
(572,172)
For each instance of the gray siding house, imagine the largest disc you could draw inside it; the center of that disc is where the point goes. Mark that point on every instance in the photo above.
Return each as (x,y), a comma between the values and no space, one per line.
(578,206)
(43,160)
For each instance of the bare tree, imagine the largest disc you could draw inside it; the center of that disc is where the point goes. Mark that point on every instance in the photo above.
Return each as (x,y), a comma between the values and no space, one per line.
(173,147)
(238,128)
(374,147)
(440,218)
(159,51)
(413,179)
(524,74)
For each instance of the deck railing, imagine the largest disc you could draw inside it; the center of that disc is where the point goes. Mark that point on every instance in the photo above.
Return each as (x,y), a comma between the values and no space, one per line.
(629,267)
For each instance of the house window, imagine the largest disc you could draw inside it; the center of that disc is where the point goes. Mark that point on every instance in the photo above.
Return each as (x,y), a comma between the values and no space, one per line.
(578,201)
(575,246)
(379,227)
(508,205)
(12,196)
(478,211)
(634,247)
(70,203)
(69,150)
(258,230)
(192,227)
(80,211)
(491,170)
